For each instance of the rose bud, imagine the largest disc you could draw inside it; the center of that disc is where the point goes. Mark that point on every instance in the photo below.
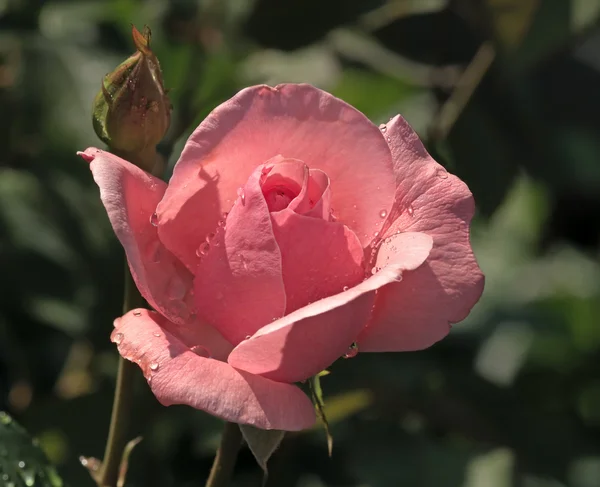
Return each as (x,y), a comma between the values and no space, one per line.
(132,112)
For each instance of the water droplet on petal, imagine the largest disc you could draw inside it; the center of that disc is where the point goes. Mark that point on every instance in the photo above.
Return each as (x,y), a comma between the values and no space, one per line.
(345,288)
(221,223)
(156,335)
(209,237)
(376,234)
(383,213)
(200,351)
(154,366)
(242,195)
(410,210)
(442,173)
(375,270)
(118,338)
(352,351)
(203,249)
(137,313)
(244,263)
(247,337)
(154,220)
(383,128)
(224,215)
(176,289)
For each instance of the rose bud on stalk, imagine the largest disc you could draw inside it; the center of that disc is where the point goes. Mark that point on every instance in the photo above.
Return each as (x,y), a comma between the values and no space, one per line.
(132,112)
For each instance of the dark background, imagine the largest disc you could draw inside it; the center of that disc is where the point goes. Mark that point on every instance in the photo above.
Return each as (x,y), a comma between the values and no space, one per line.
(510,398)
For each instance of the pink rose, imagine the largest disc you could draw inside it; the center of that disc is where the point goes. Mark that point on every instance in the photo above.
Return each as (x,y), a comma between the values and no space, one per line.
(292,227)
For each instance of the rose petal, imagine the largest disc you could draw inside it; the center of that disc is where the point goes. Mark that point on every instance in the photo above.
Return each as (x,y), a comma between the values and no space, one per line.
(418,311)
(177,375)
(238,285)
(284,183)
(130,196)
(319,258)
(305,342)
(315,199)
(296,121)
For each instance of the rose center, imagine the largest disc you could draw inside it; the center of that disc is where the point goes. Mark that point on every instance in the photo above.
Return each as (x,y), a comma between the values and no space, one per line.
(279,197)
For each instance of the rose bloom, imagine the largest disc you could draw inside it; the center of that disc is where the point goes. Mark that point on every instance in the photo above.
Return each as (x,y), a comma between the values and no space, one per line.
(292,232)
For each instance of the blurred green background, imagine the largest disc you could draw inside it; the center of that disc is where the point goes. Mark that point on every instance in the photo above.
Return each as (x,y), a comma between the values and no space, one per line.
(505,93)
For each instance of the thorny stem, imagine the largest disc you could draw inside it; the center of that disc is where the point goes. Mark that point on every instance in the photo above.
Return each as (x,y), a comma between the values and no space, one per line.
(222,469)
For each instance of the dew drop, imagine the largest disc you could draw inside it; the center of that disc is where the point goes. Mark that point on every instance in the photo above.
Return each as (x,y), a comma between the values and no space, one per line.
(442,173)
(154,366)
(200,351)
(383,213)
(383,128)
(410,210)
(28,477)
(118,338)
(248,337)
(154,220)
(242,195)
(224,215)
(157,335)
(137,313)
(176,289)
(352,351)
(203,249)
(374,270)
(209,237)
(221,223)
(388,138)
(345,288)
(376,234)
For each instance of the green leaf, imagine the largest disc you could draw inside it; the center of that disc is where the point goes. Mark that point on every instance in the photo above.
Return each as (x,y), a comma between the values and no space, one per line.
(262,444)
(22,461)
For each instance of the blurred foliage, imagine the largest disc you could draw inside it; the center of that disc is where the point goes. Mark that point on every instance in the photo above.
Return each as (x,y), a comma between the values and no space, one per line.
(510,398)
(22,462)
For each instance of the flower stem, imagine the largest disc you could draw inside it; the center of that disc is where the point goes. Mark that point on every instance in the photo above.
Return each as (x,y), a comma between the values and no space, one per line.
(119,421)
(222,469)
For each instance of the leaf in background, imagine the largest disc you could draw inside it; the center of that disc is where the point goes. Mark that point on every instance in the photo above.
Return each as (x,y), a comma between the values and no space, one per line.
(512,19)
(262,444)
(22,462)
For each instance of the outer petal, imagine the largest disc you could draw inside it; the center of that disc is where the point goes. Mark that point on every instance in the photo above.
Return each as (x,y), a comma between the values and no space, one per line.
(319,258)
(303,343)
(177,375)
(418,311)
(296,121)
(239,286)
(130,196)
